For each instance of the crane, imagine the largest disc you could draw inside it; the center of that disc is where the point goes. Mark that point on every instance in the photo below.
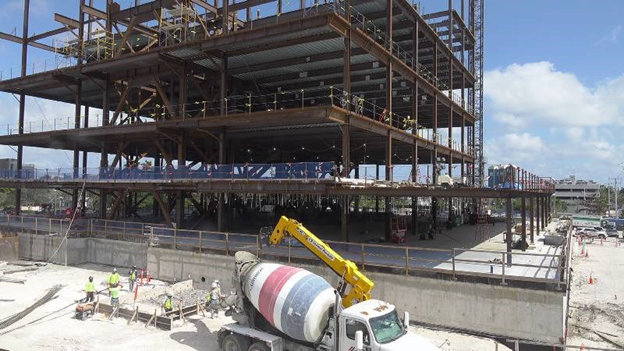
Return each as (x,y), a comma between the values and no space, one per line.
(361,286)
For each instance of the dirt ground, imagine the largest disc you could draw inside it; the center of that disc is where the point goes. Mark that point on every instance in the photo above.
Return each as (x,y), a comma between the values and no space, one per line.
(53,327)
(597,310)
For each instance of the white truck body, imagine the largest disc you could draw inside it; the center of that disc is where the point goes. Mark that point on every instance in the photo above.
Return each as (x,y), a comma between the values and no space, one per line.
(377,321)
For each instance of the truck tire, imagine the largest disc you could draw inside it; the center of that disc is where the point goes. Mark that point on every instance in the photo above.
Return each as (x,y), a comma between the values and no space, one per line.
(234,342)
(259,346)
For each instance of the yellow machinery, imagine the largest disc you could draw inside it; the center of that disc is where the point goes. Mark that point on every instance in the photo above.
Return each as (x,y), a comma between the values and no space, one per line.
(361,286)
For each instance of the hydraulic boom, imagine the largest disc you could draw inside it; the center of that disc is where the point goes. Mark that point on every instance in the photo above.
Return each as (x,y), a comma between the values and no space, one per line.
(361,286)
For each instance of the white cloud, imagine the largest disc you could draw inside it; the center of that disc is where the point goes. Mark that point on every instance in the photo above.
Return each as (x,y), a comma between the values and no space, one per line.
(513,148)
(613,36)
(536,94)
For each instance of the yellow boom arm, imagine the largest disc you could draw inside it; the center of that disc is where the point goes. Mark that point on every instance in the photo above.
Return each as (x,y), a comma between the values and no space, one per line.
(361,286)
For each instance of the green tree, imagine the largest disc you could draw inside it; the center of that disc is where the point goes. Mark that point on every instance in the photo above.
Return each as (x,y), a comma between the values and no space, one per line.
(560,205)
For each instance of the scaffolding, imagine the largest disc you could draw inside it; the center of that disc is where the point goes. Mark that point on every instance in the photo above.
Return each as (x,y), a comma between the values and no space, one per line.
(100,47)
(179,24)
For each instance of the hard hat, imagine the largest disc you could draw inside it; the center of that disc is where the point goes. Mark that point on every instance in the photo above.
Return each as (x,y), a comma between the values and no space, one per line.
(169,295)
(214,285)
(216,281)
(114,270)
(134,267)
(90,279)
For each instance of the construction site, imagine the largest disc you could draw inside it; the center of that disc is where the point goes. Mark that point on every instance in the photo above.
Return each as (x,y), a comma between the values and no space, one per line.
(281,176)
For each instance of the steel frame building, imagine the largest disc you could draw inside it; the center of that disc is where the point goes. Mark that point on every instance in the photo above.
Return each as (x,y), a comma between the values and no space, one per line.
(195,82)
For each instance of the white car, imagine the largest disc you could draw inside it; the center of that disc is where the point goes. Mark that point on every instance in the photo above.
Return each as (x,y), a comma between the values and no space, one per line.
(592,233)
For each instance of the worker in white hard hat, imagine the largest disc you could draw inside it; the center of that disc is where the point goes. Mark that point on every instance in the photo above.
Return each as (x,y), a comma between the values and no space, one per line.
(216,281)
(213,299)
(113,279)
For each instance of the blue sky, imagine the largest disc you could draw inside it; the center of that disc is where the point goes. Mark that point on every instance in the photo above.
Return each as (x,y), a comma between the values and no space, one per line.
(554,83)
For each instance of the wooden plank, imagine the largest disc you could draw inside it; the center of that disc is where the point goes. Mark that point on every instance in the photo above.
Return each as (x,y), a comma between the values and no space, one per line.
(160,322)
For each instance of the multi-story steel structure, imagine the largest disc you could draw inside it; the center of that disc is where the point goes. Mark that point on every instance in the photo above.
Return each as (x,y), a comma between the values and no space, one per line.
(212,92)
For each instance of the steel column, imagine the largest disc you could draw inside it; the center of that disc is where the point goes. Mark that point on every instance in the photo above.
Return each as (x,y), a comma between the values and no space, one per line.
(220,204)
(538,215)
(22,104)
(532,219)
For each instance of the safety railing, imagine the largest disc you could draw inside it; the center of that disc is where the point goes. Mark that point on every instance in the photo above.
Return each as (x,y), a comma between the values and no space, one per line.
(504,266)
(49,64)
(53,125)
(256,171)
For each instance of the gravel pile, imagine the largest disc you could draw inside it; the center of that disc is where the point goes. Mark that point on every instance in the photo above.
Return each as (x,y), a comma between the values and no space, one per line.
(188,297)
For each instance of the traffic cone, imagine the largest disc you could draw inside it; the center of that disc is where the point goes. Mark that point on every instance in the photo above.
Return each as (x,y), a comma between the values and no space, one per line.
(148,277)
(142,276)
(591,280)
(136,292)
(582,347)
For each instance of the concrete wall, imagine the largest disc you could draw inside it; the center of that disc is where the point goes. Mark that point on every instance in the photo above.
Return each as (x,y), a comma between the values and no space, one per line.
(41,248)
(116,253)
(9,249)
(489,309)
(82,250)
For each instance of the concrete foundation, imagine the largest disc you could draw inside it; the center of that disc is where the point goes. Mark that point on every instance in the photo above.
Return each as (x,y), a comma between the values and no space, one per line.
(42,248)
(111,253)
(495,310)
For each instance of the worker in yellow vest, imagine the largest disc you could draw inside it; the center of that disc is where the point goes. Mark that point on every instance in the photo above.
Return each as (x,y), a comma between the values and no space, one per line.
(114,294)
(168,304)
(113,279)
(132,277)
(90,289)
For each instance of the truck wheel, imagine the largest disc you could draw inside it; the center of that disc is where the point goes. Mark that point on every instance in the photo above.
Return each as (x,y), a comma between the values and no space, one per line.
(235,342)
(259,346)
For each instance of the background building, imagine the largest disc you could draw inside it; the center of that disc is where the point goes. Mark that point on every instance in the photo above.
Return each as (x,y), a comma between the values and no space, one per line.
(575,192)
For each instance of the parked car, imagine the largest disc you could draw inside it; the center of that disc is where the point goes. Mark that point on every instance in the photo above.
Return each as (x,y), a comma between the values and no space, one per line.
(592,233)
(611,232)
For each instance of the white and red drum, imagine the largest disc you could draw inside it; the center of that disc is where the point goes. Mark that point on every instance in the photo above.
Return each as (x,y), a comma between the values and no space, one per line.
(293,300)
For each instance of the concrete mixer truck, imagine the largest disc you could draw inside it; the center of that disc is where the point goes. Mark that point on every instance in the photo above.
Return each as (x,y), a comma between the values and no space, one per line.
(284,308)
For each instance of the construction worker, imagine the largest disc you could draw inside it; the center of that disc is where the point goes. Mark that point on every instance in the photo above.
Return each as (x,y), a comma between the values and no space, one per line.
(114,294)
(216,281)
(90,289)
(214,299)
(113,279)
(168,304)
(132,278)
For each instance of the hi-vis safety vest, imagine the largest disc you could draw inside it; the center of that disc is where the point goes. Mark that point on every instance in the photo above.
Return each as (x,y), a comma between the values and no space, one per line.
(132,275)
(168,304)
(114,293)
(113,278)
(90,287)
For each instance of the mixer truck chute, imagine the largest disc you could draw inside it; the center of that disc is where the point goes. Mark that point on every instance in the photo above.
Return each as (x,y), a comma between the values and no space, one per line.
(361,286)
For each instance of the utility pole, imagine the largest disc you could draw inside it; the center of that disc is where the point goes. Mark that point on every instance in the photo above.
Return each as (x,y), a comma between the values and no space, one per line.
(609,199)
(615,192)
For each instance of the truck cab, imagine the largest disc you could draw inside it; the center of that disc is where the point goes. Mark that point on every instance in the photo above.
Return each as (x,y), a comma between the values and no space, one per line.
(380,328)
